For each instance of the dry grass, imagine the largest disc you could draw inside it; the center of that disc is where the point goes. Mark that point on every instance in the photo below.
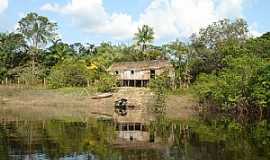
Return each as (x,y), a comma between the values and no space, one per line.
(181,106)
(75,103)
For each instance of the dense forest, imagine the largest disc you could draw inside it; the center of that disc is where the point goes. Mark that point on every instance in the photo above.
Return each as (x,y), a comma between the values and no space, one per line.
(226,68)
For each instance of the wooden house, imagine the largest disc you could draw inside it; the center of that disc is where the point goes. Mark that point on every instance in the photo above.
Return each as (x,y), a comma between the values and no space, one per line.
(138,74)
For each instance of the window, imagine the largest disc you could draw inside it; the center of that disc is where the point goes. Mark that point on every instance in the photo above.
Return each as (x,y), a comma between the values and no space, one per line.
(131,127)
(132,71)
(137,127)
(152,73)
(124,127)
(116,72)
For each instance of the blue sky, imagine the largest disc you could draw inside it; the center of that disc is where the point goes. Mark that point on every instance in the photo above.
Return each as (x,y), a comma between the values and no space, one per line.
(94,21)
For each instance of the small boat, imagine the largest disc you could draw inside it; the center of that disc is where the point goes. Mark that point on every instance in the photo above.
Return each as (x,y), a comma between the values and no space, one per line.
(103,95)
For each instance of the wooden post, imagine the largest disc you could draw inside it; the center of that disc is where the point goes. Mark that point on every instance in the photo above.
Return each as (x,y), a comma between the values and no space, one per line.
(88,83)
(128,82)
(6,80)
(18,81)
(44,82)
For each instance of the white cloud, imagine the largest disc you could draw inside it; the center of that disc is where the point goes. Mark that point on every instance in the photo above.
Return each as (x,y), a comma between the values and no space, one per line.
(178,17)
(170,18)
(3,5)
(90,16)
(230,8)
(253,29)
(50,7)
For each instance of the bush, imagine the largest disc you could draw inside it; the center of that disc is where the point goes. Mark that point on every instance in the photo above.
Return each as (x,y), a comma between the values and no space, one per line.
(69,73)
(29,76)
(106,82)
(162,82)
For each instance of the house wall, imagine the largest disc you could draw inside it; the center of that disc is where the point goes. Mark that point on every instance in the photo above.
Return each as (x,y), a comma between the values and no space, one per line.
(140,77)
(138,74)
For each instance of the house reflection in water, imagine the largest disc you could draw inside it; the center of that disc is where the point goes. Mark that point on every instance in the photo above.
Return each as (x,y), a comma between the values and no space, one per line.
(132,126)
(132,132)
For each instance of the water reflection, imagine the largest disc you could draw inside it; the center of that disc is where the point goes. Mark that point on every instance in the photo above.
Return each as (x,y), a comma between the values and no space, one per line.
(102,140)
(56,139)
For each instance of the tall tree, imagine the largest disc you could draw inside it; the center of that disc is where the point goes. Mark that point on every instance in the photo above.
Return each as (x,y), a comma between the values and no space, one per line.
(180,56)
(218,41)
(38,31)
(144,36)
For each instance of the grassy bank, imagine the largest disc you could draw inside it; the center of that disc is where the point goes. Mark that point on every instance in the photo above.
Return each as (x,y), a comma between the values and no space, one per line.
(40,103)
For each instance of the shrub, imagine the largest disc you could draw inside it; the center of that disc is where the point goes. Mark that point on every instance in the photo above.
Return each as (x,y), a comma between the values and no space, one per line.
(160,87)
(29,76)
(106,82)
(69,73)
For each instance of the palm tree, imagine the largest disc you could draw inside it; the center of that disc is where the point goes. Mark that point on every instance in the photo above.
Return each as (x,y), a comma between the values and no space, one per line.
(60,51)
(144,36)
(38,31)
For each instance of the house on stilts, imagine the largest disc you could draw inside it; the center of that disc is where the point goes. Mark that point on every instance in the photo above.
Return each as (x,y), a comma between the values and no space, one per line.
(139,74)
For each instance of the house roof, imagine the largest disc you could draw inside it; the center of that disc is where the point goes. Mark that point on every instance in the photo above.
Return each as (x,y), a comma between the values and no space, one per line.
(141,65)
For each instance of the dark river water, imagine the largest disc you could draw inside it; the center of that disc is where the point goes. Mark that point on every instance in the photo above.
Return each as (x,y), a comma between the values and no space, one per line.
(99,140)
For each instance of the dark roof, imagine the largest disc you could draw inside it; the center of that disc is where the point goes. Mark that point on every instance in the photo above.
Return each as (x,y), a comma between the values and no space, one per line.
(141,65)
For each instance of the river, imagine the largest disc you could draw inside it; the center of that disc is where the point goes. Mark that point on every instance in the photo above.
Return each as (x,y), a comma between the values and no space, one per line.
(101,140)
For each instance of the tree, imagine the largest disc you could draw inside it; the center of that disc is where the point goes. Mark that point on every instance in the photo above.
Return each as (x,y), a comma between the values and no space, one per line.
(259,46)
(144,36)
(180,56)
(69,73)
(38,31)
(215,35)
(58,52)
(12,53)
(215,43)
(239,90)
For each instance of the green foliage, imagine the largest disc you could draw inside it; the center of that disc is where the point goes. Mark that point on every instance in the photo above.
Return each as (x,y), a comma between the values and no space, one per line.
(161,83)
(144,37)
(69,73)
(160,86)
(12,53)
(216,42)
(37,29)
(106,83)
(261,134)
(30,77)
(181,58)
(215,34)
(57,53)
(261,87)
(259,46)
(231,86)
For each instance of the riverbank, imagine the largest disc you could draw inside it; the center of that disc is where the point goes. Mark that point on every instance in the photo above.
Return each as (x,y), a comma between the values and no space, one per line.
(40,103)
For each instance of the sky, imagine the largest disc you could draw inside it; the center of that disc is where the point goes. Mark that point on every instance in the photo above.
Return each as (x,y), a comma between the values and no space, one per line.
(95,21)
